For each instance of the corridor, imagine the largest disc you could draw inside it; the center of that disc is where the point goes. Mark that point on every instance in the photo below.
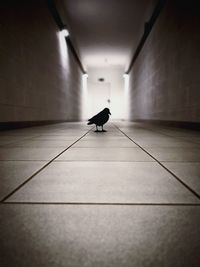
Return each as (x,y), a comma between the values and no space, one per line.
(74,197)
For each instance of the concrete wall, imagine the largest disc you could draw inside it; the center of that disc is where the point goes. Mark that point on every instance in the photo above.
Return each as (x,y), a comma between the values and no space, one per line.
(165,78)
(39,78)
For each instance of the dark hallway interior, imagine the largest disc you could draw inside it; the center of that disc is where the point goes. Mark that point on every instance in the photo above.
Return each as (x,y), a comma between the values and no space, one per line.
(73,197)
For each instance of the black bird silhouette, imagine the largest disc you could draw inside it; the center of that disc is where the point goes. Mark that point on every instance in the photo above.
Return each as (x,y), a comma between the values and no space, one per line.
(100,119)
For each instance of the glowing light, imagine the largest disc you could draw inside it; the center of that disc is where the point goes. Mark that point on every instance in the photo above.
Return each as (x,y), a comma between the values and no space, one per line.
(126,82)
(85,75)
(126,96)
(84,96)
(63,49)
(109,94)
(126,76)
(65,33)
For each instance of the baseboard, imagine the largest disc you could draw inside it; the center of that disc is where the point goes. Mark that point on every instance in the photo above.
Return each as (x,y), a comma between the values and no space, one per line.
(179,124)
(10,125)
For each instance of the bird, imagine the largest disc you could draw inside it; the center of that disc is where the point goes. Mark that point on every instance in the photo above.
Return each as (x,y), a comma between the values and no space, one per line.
(100,119)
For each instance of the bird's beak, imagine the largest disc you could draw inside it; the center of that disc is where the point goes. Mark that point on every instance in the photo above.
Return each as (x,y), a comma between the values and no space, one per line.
(109,113)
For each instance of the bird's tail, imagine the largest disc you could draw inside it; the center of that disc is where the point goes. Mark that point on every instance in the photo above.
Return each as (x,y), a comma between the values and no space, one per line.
(89,123)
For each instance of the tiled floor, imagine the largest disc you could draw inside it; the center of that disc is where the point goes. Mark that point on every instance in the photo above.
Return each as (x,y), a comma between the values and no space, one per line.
(71,197)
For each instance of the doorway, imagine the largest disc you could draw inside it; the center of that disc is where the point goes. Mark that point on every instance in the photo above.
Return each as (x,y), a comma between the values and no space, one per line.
(99,97)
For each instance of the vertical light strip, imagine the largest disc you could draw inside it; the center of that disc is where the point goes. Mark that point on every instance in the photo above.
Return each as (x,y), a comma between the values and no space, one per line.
(84,96)
(126,96)
(63,49)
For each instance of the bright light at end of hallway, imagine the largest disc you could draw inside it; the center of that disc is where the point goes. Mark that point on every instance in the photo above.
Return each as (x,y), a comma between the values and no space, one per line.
(126,96)
(84,96)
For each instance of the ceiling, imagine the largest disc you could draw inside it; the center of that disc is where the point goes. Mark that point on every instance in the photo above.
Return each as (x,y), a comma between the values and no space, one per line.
(105,32)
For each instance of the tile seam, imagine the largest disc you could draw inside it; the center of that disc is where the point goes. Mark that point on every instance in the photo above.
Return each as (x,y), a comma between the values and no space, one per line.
(47,164)
(175,176)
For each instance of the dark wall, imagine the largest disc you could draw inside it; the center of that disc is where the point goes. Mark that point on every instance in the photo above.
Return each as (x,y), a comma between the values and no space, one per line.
(39,78)
(165,79)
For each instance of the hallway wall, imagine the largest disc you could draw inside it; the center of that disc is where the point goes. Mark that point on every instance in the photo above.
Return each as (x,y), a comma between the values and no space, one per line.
(165,77)
(39,78)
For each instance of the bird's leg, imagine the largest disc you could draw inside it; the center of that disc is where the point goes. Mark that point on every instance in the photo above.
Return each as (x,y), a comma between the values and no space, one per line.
(103,129)
(96,129)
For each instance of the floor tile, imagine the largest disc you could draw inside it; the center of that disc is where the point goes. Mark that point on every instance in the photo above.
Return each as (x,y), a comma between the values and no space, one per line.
(28,153)
(4,140)
(177,132)
(66,133)
(57,137)
(194,139)
(147,136)
(112,182)
(136,132)
(105,154)
(189,172)
(62,136)
(13,173)
(124,212)
(163,142)
(42,143)
(175,153)
(125,142)
(107,134)
(100,236)
(19,133)
(104,137)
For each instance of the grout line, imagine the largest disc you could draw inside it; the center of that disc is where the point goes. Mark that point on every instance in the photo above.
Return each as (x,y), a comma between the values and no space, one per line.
(117,161)
(123,161)
(119,147)
(180,162)
(48,163)
(176,177)
(101,203)
(168,135)
(27,160)
(70,160)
